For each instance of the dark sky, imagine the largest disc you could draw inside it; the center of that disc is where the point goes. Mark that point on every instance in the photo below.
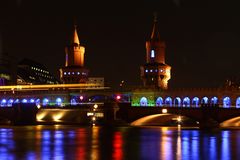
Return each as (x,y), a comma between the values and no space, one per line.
(202,37)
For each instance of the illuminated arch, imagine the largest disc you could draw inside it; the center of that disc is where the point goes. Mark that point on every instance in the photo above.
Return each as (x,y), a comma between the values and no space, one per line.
(204,100)
(3,102)
(214,100)
(58,101)
(37,101)
(195,102)
(73,102)
(10,102)
(177,102)
(168,101)
(238,102)
(32,100)
(226,102)
(186,102)
(143,101)
(24,100)
(45,102)
(159,101)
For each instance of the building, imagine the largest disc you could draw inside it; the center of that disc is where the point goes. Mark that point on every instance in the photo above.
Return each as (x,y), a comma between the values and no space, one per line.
(155,73)
(74,70)
(31,72)
(96,80)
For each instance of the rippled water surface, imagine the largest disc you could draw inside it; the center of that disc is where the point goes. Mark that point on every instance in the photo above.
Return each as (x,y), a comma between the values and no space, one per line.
(75,142)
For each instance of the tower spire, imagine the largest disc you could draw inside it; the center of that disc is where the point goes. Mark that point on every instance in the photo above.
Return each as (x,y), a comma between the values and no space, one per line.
(75,35)
(155,33)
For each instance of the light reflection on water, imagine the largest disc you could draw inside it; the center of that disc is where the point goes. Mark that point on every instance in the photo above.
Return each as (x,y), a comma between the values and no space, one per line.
(74,142)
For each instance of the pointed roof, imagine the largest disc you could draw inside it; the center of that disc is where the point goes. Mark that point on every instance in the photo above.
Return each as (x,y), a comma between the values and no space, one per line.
(75,35)
(155,33)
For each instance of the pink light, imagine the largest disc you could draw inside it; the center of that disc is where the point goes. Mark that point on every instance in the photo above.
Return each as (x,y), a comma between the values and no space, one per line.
(118,97)
(81,97)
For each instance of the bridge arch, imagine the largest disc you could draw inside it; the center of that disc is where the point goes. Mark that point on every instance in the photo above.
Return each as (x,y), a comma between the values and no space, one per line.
(45,101)
(226,102)
(3,103)
(143,101)
(204,100)
(214,100)
(159,101)
(238,102)
(59,101)
(195,102)
(168,101)
(186,102)
(177,101)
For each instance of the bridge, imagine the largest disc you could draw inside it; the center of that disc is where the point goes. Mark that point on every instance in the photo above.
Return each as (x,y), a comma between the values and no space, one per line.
(205,116)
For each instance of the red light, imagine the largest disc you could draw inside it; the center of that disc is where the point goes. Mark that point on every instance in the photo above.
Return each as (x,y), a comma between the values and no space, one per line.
(118,97)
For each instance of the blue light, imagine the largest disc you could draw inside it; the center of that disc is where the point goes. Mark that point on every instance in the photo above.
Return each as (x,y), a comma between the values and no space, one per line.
(73,102)
(16,101)
(214,100)
(226,102)
(152,54)
(168,101)
(205,100)
(146,70)
(45,101)
(59,101)
(31,100)
(24,101)
(159,101)
(195,101)
(238,102)
(143,101)
(177,101)
(37,101)
(10,102)
(186,102)
(4,101)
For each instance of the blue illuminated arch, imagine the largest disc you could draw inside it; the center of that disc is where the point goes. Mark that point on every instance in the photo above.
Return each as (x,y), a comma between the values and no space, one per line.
(143,101)
(31,100)
(24,100)
(45,102)
(177,101)
(238,102)
(204,100)
(3,102)
(214,100)
(159,101)
(73,102)
(58,101)
(186,102)
(195,102)
(16,101)
(10,102)
(226,102)
(168,101)
(37,101)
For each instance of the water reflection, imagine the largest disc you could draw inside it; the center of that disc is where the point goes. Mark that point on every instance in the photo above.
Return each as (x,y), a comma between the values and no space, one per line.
(74,142)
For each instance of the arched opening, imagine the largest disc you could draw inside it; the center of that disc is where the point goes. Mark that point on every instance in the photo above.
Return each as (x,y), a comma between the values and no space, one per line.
(10,102)
(38,101)
(238,102)
(204,100)
(143,101)
(168,101)
(45,102)
(3,102)
(214,101)
(73,102)
(58,101)
(159,101)
(24,100)
(177,102)
(32,100)
(226,102)
(195,102)
(186,102)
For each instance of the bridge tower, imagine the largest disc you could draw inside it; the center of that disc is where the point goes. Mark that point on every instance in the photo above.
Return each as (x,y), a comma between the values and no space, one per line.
(74,70)
(155,72)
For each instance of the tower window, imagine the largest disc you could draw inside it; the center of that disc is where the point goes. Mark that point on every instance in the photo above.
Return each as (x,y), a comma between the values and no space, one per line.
(152,54)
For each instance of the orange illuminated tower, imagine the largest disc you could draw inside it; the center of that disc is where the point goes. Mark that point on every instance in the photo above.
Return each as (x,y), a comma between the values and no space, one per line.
(155,73)
(74,70)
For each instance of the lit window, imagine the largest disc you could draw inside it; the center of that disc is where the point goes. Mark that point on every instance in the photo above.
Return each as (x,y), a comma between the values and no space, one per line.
(146,70)
(151,70)
(69,73)
(152,54)
(78,73)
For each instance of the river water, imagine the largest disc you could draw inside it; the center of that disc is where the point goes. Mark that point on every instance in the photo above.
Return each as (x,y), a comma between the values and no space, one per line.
(76,142)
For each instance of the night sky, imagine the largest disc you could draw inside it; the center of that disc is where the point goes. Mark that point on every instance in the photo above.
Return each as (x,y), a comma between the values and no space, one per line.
(202,37)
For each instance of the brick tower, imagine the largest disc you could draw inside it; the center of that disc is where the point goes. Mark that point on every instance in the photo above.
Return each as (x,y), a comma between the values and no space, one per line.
(155,72)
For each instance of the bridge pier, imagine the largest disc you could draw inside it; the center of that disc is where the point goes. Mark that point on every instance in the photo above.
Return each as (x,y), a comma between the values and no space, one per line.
(24,114)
